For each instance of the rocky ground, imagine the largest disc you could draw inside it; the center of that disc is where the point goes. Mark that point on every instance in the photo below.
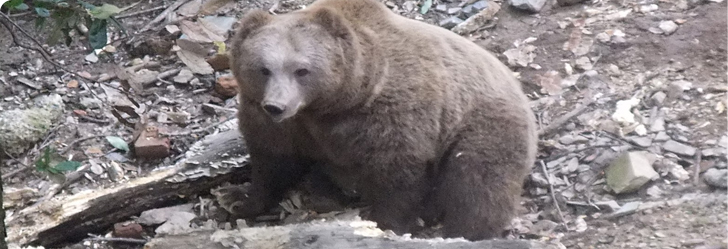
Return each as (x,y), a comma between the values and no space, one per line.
(630,97)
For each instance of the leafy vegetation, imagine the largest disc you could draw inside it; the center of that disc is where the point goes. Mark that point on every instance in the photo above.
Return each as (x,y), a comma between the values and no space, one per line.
(49,157)
(67,16)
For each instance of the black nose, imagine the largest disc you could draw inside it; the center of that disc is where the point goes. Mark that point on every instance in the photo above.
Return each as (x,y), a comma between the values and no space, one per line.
(274,109)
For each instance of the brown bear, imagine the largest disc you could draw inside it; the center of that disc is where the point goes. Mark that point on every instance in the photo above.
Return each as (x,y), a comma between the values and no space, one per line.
(418,121)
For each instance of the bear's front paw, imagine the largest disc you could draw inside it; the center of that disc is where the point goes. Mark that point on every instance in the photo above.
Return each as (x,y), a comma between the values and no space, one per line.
(237,200)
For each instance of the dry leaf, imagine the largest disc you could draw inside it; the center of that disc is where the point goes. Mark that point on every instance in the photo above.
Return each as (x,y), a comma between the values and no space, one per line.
(551,82)
(201,31)
(583,47)
(193,55)
(72,84)
(520,56)
(190,8)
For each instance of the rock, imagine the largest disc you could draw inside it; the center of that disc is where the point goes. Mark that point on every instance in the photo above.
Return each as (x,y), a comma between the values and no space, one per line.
(658,98)
(713,152)
(454,11)
(91,103)
(571,139)
(177,223)
(693,242)
(668,27)
(614,70)
(184,76)
(150,145)
(571,167)
(603,37)
(640,130)
(160,215)
(410,6)
(723,142)
(469,11)
(92,58)
(682,85)
(181,117)
(629,172)
(658,125)
(450,22)
(609,206)
(626,209)
(20,129)
(480,5)
(440,7)
(675,170)
(654,191)
(530,5)
(648,8)
(539,179)
(721,165)
(522,56)
(128,230)
(591,73)
(97,169)
(716,177)
(641,141)
(623,114)
(679,148)
(584,63)
(226,86)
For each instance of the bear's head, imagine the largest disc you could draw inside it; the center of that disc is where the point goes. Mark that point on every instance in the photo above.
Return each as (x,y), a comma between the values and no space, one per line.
(293,63)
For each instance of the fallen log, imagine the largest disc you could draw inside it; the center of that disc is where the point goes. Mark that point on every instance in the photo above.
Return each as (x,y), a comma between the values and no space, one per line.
(324,234)
(208,163)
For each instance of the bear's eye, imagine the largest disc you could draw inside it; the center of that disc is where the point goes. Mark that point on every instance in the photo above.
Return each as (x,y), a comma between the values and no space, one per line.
(301,72)
(265,71)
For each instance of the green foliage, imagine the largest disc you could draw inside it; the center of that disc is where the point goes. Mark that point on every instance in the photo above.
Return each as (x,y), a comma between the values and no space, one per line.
(67,15)
(426,6)
(49,157)
(16,5)
(118,143)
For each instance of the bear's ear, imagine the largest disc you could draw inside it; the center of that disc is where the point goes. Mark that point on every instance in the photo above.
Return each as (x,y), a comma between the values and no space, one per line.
(332,21)
(252,21)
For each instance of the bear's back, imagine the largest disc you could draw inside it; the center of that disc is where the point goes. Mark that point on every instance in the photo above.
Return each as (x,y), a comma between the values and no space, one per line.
(439,56)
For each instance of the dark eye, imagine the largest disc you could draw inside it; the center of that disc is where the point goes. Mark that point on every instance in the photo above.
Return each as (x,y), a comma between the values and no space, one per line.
(265,71)
(301,72)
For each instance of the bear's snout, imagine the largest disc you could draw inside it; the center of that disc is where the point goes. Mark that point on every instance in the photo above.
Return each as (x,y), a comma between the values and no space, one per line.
(274,109)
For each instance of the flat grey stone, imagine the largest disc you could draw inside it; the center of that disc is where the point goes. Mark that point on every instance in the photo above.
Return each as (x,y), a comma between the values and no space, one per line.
(661,137)
(450,22)
(679,148)
(453,11)
(530,5)
(641,141)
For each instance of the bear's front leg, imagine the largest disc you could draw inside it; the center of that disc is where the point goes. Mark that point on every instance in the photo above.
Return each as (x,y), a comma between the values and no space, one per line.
(390,162)
(271,177)
(273,161)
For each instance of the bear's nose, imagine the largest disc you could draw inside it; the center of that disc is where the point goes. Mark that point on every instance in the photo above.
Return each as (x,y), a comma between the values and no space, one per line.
(274,109)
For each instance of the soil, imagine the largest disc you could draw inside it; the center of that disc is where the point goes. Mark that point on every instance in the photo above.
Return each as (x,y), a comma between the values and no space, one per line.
(645,62)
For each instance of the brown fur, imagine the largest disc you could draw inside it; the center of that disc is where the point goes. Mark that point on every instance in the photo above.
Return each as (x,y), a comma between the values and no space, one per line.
(417,120)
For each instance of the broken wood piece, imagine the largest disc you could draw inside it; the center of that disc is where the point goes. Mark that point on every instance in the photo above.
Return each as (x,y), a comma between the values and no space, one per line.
(69,218)
(339,234)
